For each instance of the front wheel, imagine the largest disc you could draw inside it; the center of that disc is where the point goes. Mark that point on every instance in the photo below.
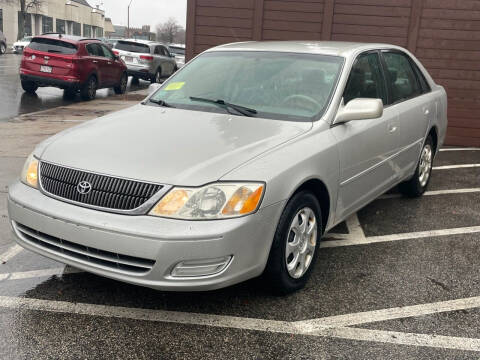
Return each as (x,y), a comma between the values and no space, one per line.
(122,86)
(417,185)
(3,48)
(157,78)
(295,245)
(89,89)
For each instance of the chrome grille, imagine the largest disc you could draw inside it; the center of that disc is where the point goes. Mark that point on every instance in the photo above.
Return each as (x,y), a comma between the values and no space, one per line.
(92,256)
(107,192)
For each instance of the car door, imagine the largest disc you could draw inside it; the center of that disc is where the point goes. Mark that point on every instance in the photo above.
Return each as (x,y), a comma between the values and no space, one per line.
(111,70)
(98,62)
(365,146)
(167,62)
(415,105)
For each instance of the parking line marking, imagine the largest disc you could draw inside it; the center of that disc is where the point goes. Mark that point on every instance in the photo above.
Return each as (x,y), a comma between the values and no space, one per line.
(397,237)
(395,337)
(403,312)
(299,328)
(448,167)
(10,253)
(354,227)
(39,273)
(434,192)
(461,149)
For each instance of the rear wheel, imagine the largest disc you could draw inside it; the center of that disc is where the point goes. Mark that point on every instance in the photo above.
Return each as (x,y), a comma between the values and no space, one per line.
(3,48)
(157,78)
(417,185)
(89,89)
(122,86)
(29,86)
(295,245)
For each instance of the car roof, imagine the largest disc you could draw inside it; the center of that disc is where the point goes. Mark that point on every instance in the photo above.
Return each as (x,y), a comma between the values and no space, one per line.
(336,48)
(67,38)
(145,42)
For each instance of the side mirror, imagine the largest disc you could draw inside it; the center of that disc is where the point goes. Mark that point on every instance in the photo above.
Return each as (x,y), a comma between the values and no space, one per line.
(359,109)
(153,87)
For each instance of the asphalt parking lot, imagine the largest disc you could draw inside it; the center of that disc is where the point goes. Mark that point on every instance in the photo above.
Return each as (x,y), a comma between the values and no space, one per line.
(398,280)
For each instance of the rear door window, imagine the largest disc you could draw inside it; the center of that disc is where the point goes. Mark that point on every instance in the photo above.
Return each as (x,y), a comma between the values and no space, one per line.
(133,47)
(403,80)
(53,46)
(94,50)
(106,52)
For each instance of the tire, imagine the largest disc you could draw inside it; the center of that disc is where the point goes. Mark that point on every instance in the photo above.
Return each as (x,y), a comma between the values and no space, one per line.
(29,86)
(157,78)
(284,272)
(69,94)
(3,48)
(121,88)
(89,89)
(135,80)
(417,185)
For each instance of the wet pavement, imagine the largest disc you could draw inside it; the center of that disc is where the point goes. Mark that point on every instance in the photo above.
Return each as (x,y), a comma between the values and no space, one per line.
(14,101)
(398,280)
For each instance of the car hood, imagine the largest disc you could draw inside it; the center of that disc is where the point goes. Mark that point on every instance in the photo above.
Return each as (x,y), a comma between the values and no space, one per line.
(170,146)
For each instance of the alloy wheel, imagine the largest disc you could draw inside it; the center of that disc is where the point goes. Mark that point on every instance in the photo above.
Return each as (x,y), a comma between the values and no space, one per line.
(301,242)
(425,165)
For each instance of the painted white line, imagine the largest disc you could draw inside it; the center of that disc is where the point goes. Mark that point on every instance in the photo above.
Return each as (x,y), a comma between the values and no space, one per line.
(461,149)
(433,193)
(354,228)
(389,314)
(10,253)
(448,167)
(299,328)
(39,273)
(395,337)
(398,237)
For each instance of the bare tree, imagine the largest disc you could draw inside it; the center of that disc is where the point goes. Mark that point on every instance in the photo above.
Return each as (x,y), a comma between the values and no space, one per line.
(170,31)
(25,7)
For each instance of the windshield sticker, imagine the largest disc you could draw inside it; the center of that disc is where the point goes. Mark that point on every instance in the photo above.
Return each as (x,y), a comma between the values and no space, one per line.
(174,86)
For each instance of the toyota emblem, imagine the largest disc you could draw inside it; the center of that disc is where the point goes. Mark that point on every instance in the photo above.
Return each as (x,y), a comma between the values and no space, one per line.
(84,187)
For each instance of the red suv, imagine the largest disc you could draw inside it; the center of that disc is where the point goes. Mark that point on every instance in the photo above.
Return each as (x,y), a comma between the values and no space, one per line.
(71,63)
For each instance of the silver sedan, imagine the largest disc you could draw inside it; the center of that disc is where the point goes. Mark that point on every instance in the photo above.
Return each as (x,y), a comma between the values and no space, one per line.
(235,167)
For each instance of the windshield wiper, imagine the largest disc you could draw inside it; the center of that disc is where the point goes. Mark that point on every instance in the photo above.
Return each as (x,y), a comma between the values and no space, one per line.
(240,109)
(161,103)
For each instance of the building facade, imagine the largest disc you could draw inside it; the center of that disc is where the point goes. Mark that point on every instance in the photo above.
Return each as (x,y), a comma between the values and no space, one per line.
(143,33)
(443,34)
(73,17)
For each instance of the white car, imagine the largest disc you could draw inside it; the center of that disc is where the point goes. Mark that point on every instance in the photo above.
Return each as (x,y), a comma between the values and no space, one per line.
(179,51)
(21,44)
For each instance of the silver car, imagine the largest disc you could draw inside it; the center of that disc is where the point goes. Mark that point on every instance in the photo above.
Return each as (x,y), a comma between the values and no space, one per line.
(178,51)
(235,167)
(146,60)
(3,43)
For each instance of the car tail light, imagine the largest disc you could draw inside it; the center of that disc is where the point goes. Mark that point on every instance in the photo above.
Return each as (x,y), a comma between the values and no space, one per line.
(116,52)
(146,57)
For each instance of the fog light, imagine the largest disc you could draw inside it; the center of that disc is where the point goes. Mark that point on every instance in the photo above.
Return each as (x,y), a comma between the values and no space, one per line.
(194,268)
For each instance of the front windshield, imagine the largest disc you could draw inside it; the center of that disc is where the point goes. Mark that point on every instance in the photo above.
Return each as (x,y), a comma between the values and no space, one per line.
(284,86)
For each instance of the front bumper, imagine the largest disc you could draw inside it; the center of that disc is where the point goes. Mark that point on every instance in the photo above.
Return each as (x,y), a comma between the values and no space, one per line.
(166,242)
(140,71)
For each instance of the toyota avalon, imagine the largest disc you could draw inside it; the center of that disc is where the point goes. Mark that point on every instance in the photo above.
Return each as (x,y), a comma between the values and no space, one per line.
(235,167)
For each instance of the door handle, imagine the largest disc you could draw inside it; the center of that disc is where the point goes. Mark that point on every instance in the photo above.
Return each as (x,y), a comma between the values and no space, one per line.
(109,63)
(392,129)
(95,61)
(426,112)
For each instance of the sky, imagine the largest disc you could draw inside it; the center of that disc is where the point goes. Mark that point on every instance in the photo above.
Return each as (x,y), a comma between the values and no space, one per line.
(144,12)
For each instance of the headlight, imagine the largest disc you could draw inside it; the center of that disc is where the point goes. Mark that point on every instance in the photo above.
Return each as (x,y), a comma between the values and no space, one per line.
(30,172)
(214,201)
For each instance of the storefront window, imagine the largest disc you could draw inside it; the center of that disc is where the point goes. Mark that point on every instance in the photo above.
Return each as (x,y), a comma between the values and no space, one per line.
(87,30)
(61,26)
(47,24)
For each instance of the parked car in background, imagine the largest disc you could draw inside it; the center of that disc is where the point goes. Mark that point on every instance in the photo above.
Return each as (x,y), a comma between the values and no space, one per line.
(178,50)
(72,63)
(19,45)
(147,60)
(3,43)
(235,167)
(110,42)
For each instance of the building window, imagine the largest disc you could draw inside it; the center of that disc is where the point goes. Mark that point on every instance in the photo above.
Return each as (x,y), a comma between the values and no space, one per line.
(47,24)
(99,32)
(61,26)
(1,20)
(27,29)
(77,29)
(87,30)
